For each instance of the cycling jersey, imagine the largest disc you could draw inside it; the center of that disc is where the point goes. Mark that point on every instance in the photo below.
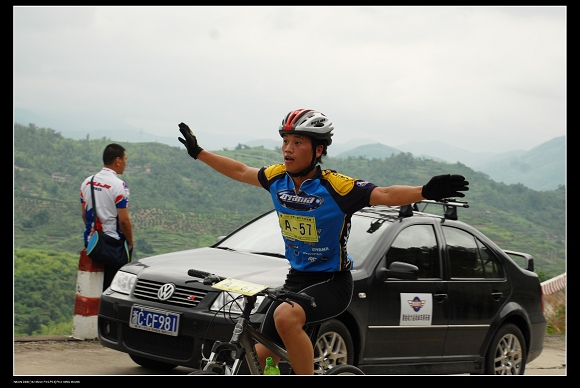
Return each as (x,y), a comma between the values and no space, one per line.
(315,222)
(111,193)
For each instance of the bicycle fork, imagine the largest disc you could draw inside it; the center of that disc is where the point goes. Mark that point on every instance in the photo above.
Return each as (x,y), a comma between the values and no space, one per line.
(234,352)
(240,347)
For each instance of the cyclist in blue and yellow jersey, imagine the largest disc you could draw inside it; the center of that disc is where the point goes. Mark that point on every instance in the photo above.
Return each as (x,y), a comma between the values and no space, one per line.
(314,207)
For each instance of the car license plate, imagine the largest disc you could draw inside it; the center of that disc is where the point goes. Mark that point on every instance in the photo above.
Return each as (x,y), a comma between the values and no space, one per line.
(158,321)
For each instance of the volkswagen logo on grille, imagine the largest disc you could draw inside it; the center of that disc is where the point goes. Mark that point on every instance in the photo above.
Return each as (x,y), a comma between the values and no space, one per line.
(166,291)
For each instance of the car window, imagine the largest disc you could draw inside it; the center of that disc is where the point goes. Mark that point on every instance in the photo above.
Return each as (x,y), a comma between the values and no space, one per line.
(417,245)
(364,234)
(491,264)
(263,235)
(469,257)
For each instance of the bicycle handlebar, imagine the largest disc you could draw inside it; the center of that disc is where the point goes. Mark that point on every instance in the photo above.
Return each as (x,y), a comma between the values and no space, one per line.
(281,293)
(272,293)
(208,278)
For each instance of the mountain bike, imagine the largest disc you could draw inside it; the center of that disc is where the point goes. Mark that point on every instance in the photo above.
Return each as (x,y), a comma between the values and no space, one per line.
(226,358)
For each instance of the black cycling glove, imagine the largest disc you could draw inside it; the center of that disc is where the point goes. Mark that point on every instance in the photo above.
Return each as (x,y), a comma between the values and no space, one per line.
(190,141)
(444,186)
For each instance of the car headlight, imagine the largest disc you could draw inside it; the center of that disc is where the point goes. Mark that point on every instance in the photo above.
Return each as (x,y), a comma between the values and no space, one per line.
(233,303)
(123,282)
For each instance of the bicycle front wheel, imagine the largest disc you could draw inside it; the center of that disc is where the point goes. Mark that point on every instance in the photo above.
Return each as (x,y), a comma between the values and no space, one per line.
(344,369)
(203,372)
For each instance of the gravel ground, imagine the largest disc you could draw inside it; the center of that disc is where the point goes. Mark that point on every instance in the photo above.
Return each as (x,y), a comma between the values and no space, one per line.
(35,356)
(25,344)
(52,343)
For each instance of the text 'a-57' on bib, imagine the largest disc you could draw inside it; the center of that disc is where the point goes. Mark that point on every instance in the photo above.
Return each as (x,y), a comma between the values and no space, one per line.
(300,228)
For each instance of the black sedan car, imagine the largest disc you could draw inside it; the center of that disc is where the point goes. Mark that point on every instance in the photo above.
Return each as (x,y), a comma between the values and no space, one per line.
(432,295)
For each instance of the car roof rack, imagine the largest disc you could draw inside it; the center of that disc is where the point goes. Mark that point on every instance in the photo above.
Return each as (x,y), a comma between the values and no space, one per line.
(450,206)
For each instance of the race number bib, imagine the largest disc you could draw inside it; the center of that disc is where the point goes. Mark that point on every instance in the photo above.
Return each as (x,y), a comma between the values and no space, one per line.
(239,286)
(300,228)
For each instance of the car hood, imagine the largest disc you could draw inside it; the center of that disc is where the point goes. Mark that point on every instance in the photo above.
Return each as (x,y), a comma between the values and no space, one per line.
(254,268)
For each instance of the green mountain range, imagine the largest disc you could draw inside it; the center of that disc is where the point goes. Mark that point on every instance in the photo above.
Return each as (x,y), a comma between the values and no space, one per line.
(179,203)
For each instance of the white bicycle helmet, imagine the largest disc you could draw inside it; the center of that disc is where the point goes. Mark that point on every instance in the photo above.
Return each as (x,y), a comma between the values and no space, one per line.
(308,122)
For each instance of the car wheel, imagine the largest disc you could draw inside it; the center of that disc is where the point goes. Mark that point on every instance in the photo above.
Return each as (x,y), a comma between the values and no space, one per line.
(344,369)
(507,352)
(151,364)
(333,346)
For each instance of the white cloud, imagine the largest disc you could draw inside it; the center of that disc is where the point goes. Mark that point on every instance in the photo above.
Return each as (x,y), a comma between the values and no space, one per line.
(479,78)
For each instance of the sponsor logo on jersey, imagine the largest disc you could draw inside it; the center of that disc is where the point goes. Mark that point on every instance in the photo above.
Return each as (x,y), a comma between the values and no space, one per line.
(98,184)
(303,201)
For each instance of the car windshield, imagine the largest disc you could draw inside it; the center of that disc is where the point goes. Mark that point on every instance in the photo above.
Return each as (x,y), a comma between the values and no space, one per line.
(263,236)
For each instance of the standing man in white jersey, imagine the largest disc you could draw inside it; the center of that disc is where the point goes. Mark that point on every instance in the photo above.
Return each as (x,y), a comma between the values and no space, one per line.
(112,198)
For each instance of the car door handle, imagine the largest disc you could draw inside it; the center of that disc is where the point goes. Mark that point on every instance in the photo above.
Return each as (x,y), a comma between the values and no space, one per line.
(496,295)
(440,297)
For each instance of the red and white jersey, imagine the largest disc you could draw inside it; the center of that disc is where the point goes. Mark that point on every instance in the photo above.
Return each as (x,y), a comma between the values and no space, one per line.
(111,193)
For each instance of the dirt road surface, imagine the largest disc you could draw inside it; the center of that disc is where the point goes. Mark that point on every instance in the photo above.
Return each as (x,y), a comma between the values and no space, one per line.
(63,359)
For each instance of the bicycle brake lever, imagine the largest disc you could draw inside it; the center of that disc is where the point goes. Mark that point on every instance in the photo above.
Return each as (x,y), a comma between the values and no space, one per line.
(211,279)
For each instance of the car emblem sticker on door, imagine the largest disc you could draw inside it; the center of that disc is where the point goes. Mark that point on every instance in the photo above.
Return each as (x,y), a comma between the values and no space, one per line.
(416,309)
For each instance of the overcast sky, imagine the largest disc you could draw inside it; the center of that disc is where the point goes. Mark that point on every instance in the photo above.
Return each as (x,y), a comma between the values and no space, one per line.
(478,78)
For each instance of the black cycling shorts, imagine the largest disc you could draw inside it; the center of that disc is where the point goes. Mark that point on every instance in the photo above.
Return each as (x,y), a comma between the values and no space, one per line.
(332,292)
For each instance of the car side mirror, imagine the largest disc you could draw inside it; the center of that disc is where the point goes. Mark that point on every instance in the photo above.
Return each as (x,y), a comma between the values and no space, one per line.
(398,270)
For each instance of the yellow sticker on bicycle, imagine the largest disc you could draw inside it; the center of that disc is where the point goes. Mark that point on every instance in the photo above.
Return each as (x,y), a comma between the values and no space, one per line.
(239,286)
(300,228)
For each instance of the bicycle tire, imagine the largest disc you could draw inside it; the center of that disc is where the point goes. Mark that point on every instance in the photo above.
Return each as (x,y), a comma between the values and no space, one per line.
(344,369)
(203,372)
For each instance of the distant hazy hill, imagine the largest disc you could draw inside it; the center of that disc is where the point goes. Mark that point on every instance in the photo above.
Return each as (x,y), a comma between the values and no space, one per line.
(542,168)
(120,132)
(268,144)
(441,151)
(333,151)
(370,151)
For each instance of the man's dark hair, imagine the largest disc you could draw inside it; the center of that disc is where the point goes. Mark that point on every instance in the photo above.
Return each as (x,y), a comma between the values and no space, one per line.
(315,144)
(112,152)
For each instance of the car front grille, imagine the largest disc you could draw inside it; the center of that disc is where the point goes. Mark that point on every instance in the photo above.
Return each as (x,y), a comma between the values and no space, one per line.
(182,297)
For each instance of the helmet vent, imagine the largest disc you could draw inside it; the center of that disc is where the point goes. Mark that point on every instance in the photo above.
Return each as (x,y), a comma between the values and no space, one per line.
(318,123)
